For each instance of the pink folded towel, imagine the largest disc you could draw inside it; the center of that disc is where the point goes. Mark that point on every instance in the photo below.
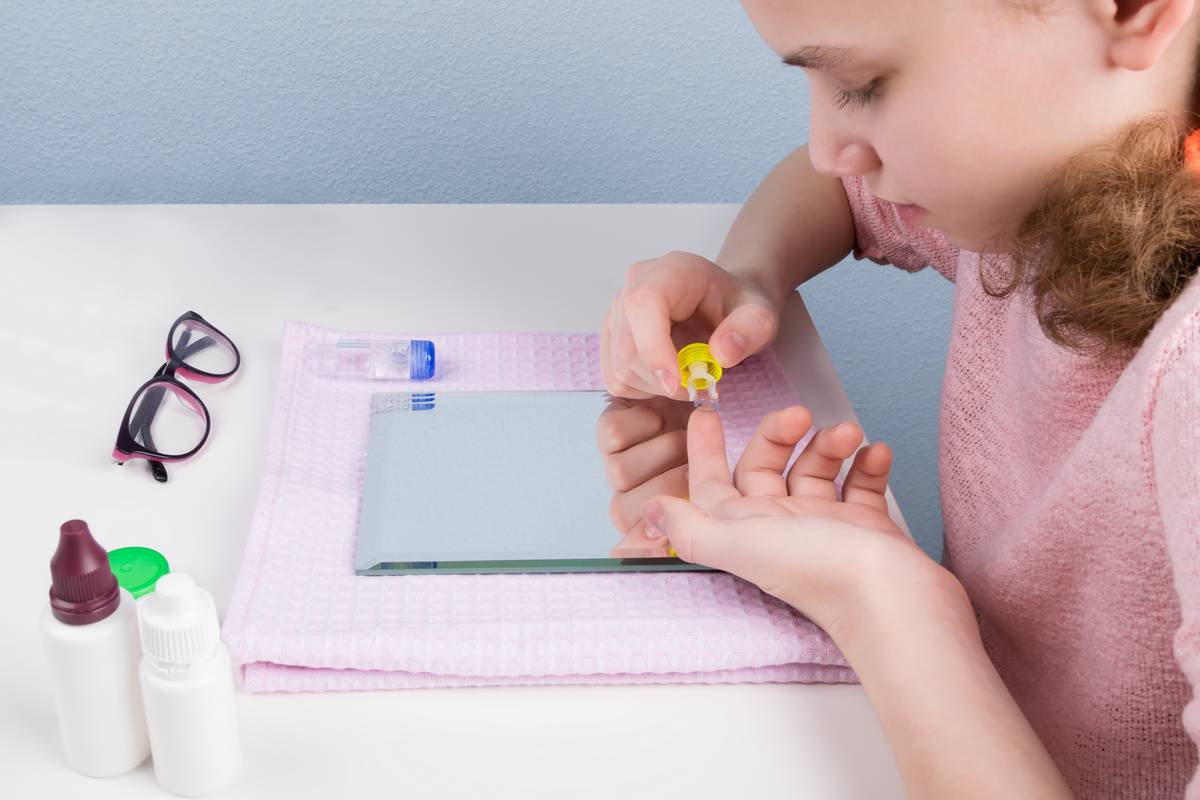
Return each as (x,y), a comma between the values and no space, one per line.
(301,620)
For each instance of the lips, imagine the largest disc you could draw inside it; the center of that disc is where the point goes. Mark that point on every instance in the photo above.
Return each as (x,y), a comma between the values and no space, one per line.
(911,214)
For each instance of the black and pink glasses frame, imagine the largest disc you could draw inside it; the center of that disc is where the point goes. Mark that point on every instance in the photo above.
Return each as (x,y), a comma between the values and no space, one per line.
(139,416)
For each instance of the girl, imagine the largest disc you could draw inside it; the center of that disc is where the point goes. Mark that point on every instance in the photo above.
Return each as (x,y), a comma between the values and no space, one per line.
(1033,153)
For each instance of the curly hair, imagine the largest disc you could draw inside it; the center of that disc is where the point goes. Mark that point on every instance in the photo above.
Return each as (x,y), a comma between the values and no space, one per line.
(1113,241)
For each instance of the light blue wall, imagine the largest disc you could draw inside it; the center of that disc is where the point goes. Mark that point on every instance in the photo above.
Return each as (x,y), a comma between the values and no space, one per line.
(130,101)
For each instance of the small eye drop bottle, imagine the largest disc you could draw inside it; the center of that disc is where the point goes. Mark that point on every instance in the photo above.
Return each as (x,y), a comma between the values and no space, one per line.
(89,633)
(699,373)
(393,359)
(187,687)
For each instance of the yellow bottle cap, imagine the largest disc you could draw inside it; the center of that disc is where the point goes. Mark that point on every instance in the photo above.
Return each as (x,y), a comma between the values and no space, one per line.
(699,370)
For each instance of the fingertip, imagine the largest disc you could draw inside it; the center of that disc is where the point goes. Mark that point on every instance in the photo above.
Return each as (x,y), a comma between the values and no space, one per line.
(799,411)
(728,347)
(703,422)
(881,455)
(660,513)
(664,379)
(850,432)
(654,516)
(794,422)
(873,462)
(747,329)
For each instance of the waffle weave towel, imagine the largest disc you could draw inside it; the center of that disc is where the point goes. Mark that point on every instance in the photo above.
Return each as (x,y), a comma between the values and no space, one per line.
(301,620)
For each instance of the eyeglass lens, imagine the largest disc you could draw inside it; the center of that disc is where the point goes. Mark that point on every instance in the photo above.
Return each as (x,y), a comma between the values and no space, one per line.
(167,420)
(201,347)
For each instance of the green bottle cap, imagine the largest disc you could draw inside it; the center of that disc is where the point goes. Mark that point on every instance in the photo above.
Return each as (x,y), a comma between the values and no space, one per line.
(137,568)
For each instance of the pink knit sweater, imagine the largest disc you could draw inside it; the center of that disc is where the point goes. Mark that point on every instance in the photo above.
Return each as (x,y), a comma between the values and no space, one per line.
(1071,496)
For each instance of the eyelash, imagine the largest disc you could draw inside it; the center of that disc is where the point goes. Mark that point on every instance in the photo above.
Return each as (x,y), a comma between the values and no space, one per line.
(857,98)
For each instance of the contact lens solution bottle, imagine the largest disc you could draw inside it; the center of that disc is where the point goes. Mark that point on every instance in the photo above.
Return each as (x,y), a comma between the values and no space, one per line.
(89,634)
(378,359)
(187,687)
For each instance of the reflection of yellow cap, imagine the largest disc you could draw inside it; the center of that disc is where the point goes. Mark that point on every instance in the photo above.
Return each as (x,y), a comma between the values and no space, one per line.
(698,370)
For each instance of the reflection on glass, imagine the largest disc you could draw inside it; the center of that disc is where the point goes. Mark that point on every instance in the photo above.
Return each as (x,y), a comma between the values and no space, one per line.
(492,482)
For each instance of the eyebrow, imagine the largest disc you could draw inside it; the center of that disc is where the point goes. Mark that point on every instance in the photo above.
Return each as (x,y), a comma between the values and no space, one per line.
(817,57)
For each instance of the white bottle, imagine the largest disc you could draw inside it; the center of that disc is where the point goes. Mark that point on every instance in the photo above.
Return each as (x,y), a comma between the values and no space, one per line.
(187,687)
(89,634)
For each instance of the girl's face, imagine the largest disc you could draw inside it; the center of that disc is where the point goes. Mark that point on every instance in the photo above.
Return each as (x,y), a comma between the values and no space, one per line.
(962,108)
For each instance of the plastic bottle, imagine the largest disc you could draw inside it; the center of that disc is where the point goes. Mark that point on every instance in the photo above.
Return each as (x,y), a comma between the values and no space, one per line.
(89,633)
(393,359)
(187,687)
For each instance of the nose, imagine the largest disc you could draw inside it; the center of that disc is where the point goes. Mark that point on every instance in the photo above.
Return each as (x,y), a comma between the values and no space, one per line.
(839,154)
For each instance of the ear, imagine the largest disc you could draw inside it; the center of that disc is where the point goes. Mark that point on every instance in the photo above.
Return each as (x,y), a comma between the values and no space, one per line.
(1142,30)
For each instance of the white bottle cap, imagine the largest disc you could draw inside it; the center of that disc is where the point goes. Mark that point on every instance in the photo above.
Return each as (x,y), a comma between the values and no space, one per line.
(178,622)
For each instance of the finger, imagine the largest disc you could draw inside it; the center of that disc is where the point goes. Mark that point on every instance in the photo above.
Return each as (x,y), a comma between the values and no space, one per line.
(658,293)
(636,544)
(701,539)
(760,469)
(618,429)
(627,362)
(605,355)
(677,520)
(644,461)
(867,479)
(749,328)
(800,561)
(625,509)
(815,469)
(649,325)
(709,482)
(615,387)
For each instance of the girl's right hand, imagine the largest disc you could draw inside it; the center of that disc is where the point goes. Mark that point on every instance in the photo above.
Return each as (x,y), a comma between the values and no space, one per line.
(686,295)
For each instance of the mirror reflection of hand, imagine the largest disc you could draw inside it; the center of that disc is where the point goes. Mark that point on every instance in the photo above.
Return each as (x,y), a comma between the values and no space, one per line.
(643,444)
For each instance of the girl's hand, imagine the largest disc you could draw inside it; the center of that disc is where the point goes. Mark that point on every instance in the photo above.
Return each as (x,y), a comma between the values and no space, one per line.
(791,534)
(688,295)
(903,622)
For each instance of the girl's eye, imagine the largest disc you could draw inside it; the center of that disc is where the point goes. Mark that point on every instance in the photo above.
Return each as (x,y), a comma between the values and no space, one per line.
(857,98)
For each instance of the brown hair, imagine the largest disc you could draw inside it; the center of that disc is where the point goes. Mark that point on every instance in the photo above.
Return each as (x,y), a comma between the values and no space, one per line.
(1114,240)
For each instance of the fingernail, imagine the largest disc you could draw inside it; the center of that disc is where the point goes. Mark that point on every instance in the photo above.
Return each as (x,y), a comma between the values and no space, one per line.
(666,379)
(735,346)
(652,514)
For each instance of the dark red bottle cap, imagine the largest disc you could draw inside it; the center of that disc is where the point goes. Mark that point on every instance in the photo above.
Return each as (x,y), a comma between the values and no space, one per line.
(83,589)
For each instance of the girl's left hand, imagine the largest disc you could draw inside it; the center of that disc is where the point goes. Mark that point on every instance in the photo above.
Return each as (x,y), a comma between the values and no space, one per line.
(791,534)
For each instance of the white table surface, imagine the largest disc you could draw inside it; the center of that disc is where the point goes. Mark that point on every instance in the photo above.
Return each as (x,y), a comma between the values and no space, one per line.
(86,296)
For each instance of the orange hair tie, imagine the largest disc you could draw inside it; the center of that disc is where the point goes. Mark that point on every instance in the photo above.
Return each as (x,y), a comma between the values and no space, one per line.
(1191,151)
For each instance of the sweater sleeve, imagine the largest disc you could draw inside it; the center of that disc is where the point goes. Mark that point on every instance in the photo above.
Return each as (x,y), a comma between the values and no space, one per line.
(883,237)
(1175,455)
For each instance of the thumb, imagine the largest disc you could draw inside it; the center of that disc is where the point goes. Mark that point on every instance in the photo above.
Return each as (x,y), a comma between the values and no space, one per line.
(774,553)
(749,328)
(695,536)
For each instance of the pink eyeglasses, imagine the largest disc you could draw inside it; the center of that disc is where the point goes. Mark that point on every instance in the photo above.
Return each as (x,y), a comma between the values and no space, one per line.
(158,430)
